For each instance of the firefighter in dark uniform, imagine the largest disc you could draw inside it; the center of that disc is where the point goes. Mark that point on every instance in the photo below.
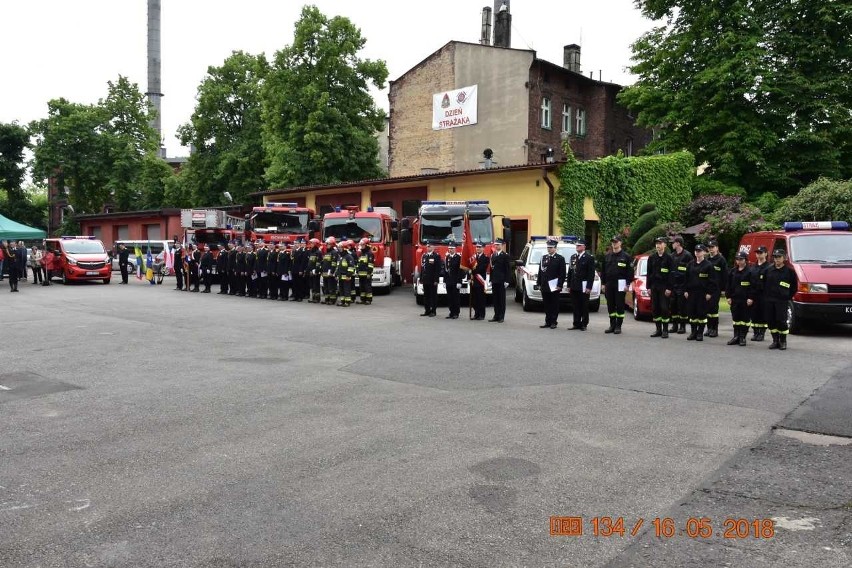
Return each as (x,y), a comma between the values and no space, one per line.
(314,270)
(700,286)
(740,291)
(617,275)
(206,265)
(123,259)
(241,271)
(581,278)
(233,273)
(779,286)
(300,271)
(551,267)
(222,270)
(178,254)
(720,271)
(453,280)
(194,261)
(262,272)
(329,268)
(500,271)
(251,271)
(366,264)
(677,306)
(274,281)
(477,283)
(431,269)
(758,315)
(285,270)
(661,269)
(345,273)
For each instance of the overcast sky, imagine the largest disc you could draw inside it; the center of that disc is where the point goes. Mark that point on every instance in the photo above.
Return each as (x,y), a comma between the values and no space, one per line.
(71,48)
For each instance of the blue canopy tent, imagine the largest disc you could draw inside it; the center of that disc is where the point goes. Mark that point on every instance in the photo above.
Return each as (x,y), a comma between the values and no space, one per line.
(11,230)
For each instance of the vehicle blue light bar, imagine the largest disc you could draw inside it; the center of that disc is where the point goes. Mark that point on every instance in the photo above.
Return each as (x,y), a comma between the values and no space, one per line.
(816,226)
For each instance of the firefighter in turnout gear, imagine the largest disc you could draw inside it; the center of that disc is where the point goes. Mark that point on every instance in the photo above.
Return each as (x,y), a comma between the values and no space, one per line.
(617,275)
(366,263)
(329,270)
(345,273)
(677,306)
(779,286)
(758,315)
(661,267)
(740,292)
(700,286)
(314,270)
(720,273)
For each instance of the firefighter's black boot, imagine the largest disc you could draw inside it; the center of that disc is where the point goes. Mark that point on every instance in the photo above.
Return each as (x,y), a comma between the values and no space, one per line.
(699,336)
(736,339)
(775,342)
(743,335)
(682,328)
(760,333)
(618,322)
(611,327)
(782,341)
(692,329)
(659,332)
(665,333)
(712,328)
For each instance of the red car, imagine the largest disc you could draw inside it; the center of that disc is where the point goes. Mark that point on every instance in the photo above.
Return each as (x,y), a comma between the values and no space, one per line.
(638,296)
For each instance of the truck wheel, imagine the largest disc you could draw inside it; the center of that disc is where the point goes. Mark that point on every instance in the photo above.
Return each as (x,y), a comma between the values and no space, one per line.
(518,292)
(595,306)
(526,303)
(794,324)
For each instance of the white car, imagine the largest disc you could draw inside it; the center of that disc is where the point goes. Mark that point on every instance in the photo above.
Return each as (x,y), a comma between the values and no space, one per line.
(527,292)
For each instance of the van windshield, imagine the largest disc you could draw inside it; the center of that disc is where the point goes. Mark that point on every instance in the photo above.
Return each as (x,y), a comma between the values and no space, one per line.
(84,247)
(821,248)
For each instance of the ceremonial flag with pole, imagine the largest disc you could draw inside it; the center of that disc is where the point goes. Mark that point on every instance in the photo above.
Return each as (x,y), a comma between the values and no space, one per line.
(468,258)
(140,262)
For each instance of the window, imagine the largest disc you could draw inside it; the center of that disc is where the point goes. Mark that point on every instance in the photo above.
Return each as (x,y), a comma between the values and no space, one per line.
(545,113)
(566,119)
(580,122)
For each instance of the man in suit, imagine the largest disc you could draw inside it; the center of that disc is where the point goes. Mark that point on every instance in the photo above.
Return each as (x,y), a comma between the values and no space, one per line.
(194,261)
(477,283)
(222,270)
(581,278)
(206,264)
(500,270)
(551,267)
(123,259)
(452,280)
(431,268)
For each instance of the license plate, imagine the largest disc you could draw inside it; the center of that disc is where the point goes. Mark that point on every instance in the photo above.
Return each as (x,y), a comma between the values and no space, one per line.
(92,273)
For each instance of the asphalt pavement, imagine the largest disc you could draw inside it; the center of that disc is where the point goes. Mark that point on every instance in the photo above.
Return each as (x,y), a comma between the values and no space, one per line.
(148,427)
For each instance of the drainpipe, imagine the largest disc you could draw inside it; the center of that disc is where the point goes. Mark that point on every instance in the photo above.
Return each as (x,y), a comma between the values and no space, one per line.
(551,193)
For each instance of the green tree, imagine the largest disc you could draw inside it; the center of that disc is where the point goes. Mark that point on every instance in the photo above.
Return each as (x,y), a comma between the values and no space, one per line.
(758,89)
(823,200)
(14,139)
(225,131)
(319,117)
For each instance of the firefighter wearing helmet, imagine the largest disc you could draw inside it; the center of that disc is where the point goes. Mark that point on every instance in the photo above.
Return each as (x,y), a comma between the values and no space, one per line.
(314,268)
(366,263)
(345,273)
(328,266)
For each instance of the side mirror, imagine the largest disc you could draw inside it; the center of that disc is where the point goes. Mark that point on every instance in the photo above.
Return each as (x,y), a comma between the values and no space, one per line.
(406,236)
(507,223)
(313,225)
(507,236)
(405,224)
(394,234)
(394,224)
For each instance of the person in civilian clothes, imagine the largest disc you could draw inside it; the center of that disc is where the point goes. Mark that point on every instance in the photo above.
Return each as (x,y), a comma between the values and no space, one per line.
(661,268)
(740,291)
(700,286)
(21,251)
(581,278)
(758,315)
(36,264)
(551,267)
(453,280)
(10,253)
(222,270)
(206,265)
(477,283)
(618,273)
(720,272)
(681,258)
(779,286)
(499,265)
(262,272)
(123,259)
(431,268)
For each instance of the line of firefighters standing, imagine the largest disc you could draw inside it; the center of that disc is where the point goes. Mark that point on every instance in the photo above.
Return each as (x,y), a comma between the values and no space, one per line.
(300,270)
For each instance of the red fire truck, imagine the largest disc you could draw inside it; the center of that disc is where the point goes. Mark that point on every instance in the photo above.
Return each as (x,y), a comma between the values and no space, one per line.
(379,224)
(442,221)
(275,222)
(211,227)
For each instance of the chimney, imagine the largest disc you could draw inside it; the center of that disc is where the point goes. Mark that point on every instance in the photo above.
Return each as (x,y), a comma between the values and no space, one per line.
(154,95)
(503,26)
(571,58)
(485,36)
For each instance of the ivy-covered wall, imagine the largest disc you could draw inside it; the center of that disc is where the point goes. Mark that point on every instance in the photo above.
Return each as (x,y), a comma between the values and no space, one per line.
(619,186)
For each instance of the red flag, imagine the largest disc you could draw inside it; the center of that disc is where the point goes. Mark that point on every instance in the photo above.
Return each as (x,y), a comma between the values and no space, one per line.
(468,253)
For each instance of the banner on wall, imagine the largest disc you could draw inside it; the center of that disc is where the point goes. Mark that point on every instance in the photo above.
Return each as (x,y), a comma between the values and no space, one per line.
(452,109)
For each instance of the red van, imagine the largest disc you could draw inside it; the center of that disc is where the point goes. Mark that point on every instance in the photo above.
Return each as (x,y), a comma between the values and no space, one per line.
(78,258)
(821,254)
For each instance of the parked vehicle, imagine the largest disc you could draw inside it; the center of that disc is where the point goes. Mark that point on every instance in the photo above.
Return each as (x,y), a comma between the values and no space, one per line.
(77,258)
(275,222)
(638,296)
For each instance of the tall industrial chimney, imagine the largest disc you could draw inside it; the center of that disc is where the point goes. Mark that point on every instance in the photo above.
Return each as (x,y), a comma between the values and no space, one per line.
(502,24)
(154,93)
(485,36)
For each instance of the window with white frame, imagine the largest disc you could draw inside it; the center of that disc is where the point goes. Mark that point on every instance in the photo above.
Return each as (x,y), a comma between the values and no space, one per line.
(580,122)
(566,118)
(545,113)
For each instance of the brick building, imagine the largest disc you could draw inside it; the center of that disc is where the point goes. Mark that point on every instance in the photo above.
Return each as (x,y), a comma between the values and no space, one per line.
(525,106)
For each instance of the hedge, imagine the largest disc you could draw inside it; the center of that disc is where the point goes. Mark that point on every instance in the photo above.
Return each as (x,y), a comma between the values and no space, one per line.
(646,208)
(645,243)
(619,186)
(642,225)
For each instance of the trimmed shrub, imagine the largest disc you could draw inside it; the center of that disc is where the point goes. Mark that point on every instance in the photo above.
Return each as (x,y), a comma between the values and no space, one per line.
(646,208)
(645,243)
(642,225)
